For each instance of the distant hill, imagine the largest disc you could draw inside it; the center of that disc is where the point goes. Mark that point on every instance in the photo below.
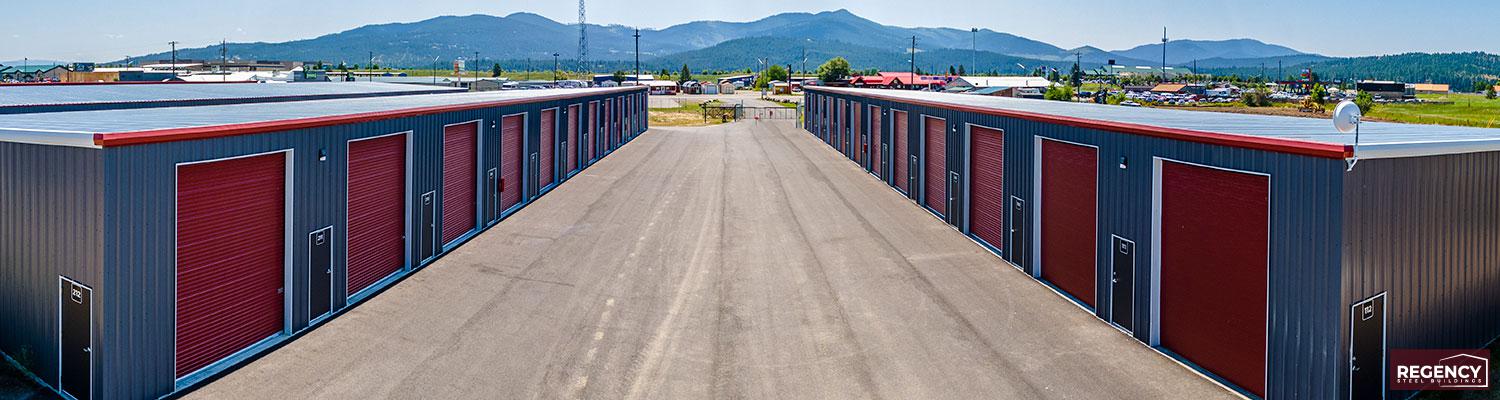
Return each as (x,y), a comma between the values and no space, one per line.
(1183,52)
(1457,69)
(739,54)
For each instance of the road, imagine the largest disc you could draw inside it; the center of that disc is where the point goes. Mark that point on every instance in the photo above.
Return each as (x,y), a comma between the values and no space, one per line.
(739,261)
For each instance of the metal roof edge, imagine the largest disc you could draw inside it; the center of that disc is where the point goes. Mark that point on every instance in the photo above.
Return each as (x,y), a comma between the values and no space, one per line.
(1291,146)
(1421,149)
(214,131)
(49,138)
(214,101)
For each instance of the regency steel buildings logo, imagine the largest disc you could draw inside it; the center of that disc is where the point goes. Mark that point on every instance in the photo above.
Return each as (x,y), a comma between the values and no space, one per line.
(1440,369)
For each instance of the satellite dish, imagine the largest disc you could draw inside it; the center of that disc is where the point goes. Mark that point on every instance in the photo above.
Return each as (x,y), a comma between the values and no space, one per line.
(1346,117)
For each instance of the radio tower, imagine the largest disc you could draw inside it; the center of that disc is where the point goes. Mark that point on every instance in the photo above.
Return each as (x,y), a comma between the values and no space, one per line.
(583,40)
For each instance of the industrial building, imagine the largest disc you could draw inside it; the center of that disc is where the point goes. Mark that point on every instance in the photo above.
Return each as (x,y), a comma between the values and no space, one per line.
(149,249)
(1275,255)
(56,97)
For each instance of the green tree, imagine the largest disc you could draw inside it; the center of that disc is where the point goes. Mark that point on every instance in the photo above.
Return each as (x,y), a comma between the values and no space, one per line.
(1365,101)
(685,76)
(495,71)
(1489,92)
(834,70)
(1076,76)
(619,76)
(952,71)
(774,73)
(1054,76)
(961,70)
(1319,94)
(1059,93)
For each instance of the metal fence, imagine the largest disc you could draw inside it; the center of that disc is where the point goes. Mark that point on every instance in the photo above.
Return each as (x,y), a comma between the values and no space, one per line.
(727,113)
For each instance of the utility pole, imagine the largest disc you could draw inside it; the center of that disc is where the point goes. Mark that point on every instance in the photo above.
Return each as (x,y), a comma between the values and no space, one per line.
(370,66)
(554,68)
(174,57)
(476,67)
(1163,54)
(223,60)
(637,53)
(974,47)
(913,61)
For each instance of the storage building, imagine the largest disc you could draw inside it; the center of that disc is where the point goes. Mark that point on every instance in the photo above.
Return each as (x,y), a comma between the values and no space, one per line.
(1273,254)
(149,249)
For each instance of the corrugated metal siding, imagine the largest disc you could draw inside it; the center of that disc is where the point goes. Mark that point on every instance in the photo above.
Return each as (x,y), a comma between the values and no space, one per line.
(1306,210)
(1426,231)
(135,357)
(51,208)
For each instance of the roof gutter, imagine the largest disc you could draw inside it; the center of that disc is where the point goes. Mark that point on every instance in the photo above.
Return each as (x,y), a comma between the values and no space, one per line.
(1290,146)
(217,131)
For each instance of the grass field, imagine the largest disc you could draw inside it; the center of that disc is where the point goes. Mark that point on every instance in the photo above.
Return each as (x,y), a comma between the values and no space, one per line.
(685,114)
(1466,110)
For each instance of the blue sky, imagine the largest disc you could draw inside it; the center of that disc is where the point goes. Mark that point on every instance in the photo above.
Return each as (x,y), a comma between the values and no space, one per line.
(113,29)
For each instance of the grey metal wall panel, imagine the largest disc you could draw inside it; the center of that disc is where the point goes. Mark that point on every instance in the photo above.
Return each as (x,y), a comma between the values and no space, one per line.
(139,221)
(1427,232)
(50,212)
(1303,359)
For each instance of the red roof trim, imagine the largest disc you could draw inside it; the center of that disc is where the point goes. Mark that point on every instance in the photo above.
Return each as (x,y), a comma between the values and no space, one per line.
(1291,146)
(120,83)
(217,131)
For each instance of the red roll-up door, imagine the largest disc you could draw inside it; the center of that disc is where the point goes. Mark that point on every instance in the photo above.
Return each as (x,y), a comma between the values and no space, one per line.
(839,124)
(860,148)
(548,137)
(511,130)
(1214,235)
(593,131)
(875,133)
(936,166)
(986,185)
(902,151)
(1069,209)
(460,163)
(612,122)
(231,257)
(572,147)
(377,212)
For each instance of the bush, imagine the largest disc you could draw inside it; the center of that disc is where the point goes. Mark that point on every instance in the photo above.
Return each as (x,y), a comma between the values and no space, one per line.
(1319,94)
(1365,101)
(1117,98)
(1489,93)
(1059,93)
(1256,98)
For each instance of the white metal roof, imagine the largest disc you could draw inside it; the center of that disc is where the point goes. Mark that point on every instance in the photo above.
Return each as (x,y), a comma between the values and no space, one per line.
(1377,139)
(77,128)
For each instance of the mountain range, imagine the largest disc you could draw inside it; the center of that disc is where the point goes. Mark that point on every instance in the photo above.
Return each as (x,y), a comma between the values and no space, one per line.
(717,45)
(526,35)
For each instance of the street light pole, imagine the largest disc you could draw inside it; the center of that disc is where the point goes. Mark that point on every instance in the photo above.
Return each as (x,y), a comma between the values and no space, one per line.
(554,68)
(476,67)
(637,55)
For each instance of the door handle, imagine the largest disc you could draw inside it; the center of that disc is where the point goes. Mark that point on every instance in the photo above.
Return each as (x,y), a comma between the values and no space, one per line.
(88,349)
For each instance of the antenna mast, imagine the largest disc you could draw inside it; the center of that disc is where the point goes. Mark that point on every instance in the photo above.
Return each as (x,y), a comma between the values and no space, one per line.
(583,39)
